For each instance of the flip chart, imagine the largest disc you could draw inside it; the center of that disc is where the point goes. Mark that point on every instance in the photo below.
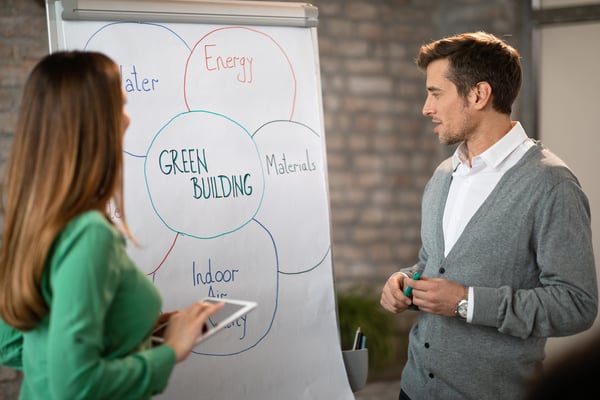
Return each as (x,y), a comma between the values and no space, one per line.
(226,181)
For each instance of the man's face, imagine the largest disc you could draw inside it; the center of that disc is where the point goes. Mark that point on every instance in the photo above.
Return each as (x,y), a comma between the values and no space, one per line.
(447,109)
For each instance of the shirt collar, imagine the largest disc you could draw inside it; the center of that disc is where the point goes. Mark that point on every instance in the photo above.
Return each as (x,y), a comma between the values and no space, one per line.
(499,150)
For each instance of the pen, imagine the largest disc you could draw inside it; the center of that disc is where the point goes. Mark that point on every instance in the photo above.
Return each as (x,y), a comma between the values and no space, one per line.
(356,338)
(408,289)
(359,341)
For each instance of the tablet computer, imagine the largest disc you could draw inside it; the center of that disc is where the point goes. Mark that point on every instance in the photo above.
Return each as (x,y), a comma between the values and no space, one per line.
(232,310)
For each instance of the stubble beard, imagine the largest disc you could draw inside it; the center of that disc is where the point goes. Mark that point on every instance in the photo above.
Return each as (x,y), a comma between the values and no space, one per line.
(453,136)
(449,138)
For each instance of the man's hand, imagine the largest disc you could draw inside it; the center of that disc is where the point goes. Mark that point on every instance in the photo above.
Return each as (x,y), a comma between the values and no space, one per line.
(392,296)
(436,295)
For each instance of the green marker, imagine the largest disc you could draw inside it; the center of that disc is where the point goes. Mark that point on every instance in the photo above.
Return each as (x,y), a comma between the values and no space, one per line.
(408,290)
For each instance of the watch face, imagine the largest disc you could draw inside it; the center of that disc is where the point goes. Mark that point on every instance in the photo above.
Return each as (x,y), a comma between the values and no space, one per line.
(462,308)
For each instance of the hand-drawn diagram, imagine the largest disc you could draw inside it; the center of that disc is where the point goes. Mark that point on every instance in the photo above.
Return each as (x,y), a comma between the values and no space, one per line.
(225,188)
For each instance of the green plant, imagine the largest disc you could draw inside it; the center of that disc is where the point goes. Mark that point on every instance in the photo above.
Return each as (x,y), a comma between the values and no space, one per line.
(356,309)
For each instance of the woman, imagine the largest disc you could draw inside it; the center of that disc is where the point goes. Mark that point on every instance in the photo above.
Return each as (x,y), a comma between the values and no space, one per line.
(76,311)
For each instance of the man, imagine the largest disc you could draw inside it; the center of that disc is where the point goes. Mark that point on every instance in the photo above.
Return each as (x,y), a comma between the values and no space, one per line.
(506,256)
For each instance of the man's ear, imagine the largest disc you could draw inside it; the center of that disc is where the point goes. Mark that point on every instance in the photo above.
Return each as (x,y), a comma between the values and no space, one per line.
(480,95)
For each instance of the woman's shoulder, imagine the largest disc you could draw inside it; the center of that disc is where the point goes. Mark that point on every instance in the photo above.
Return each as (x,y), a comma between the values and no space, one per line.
(90,218)
(88,238)
(90,224)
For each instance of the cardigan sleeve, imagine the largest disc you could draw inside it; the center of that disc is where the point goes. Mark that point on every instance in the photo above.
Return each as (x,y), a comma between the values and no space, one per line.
(565,301)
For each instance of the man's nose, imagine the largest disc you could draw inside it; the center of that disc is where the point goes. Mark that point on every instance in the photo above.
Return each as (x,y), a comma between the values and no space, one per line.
(427,110)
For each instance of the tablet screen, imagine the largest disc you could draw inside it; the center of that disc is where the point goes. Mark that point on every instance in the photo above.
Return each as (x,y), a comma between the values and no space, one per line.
(232,310)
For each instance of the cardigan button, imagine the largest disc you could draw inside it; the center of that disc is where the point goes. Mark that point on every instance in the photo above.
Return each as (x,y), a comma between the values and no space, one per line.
(442,270)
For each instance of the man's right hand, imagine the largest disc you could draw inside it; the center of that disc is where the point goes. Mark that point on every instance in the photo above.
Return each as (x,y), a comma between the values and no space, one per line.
(392,295)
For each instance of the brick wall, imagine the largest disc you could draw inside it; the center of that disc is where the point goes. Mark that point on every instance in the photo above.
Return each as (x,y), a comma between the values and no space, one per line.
(380,149)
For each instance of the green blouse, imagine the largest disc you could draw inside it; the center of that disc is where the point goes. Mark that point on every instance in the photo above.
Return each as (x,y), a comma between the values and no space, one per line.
(94,344)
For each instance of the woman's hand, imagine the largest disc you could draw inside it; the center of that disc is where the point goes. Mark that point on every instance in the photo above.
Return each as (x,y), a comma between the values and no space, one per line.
(160,327)
(185,325)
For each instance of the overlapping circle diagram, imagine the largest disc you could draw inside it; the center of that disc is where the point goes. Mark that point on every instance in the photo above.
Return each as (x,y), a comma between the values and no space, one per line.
(211,151)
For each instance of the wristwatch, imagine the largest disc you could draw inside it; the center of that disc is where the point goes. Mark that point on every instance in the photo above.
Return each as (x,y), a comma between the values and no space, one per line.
(462,306)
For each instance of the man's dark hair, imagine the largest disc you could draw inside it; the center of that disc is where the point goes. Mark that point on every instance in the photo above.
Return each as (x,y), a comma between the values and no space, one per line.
(478,57)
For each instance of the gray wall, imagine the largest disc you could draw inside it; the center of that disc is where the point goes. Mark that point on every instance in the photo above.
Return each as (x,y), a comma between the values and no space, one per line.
(569,108)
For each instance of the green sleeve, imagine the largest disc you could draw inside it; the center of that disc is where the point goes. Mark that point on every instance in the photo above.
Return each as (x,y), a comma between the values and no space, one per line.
(85,276)
(11,346)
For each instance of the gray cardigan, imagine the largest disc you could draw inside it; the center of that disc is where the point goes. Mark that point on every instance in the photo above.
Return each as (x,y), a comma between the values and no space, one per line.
(527,253)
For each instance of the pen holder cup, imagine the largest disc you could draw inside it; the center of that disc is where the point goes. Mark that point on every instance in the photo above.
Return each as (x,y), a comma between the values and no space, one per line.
(357,367)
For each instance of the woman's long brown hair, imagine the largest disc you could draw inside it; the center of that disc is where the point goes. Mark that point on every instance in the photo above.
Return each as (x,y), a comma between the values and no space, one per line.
(66,158)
